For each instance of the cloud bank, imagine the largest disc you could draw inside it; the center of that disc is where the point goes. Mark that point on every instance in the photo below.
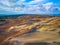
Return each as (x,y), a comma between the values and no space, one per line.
(31,7)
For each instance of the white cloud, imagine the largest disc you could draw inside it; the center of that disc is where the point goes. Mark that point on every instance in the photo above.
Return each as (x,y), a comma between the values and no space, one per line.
(48,5)
(35,1)
(6,3)
(19,3)
(11,2)
(8,6)
(28,8)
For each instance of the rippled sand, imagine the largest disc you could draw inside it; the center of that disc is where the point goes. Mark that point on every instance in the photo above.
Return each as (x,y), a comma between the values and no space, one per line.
(30,29)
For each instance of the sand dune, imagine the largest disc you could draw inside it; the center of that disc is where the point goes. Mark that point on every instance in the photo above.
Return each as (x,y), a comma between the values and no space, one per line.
(30,29)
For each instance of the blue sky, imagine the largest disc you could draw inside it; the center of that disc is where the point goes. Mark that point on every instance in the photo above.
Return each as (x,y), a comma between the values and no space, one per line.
(29,7)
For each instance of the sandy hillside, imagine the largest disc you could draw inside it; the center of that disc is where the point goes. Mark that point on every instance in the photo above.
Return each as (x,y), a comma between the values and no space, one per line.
(30,29)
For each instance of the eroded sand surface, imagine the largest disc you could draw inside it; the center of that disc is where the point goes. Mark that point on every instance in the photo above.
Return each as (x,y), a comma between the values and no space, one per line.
(30,29)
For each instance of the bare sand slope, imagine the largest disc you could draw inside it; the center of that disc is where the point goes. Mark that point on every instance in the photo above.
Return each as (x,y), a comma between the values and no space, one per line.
(31,29)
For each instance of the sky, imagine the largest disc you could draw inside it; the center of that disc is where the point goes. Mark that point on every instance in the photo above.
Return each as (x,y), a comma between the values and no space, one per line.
(29,7)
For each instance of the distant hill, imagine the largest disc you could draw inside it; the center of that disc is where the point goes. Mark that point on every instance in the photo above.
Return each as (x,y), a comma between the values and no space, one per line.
(15,16)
